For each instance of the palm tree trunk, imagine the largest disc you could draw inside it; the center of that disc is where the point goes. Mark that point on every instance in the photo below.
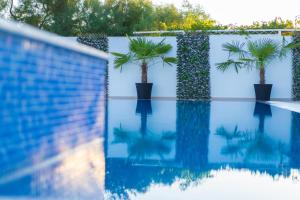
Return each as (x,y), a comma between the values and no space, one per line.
(144,72)
(262,75)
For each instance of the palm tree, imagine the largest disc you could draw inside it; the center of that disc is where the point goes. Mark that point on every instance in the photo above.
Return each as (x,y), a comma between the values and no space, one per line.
(144,52)
(259,54)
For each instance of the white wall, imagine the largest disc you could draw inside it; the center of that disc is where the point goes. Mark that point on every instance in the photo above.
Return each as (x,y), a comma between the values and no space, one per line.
(122,84)
(223,85)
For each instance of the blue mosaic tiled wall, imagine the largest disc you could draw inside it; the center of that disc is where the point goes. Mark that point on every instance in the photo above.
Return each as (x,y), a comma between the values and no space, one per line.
(51,100)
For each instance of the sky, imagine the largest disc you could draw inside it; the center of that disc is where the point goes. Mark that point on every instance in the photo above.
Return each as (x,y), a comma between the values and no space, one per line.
(245,11)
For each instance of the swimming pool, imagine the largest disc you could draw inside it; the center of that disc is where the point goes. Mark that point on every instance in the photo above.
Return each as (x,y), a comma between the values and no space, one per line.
(162,149)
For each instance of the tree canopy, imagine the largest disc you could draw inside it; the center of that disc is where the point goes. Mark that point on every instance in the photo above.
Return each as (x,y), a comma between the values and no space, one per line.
(115,17)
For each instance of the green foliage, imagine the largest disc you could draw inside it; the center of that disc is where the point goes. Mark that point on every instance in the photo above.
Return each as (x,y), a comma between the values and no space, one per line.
(59,16)
(121,59)
(64,17)
(145,51)
(167,17)
(93,16)
(112,17)
(3,6)
(193,66)
(170,60)
(124,17)
(277,23)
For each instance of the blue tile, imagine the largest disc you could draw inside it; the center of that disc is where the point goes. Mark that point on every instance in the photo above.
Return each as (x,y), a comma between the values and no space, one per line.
(44,88)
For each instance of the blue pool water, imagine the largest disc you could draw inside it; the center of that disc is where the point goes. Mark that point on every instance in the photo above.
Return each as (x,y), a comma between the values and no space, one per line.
(160,150)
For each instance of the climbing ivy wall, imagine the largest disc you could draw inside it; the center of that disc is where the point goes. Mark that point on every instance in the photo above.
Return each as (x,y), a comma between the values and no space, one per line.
(98,41)
(296,70)
(193,79)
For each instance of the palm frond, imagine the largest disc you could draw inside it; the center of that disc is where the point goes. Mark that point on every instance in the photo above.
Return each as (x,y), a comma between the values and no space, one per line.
(227,64)
(163,49)
(121,59)
(286,47)
(249,63)
(142,47)
(264,50)
(283,52)
(234,47)
(292,45)
(169,60)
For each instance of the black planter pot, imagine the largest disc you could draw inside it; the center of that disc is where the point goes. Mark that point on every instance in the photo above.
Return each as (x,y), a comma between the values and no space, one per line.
(143,107)
(144,90)
(263,91)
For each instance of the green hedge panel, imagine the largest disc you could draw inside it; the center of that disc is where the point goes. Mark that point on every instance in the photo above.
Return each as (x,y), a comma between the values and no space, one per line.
(296,70)
(97,41)
(193,77)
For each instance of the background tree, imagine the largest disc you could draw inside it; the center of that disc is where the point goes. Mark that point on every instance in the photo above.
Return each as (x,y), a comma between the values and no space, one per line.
(167,17)
(116,17)
(59,16)
(195,18)
(32,12)
(65,18)
(3,6)
(93,17)
(124,17)
(277,23)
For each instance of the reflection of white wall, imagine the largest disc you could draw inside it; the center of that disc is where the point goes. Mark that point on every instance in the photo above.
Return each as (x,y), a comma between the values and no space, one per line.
(279,125)
(122,112)
(223,85)
(122,84)
(228,115)
(240,114)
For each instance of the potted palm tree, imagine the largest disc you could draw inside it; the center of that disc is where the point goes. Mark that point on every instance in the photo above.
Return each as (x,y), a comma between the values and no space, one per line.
(257,54)
(144,52)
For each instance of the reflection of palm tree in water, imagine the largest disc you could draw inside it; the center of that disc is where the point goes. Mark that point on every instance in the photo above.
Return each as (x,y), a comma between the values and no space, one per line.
(144,143)
(262,145)
(253,145)
(234,141)
(262,111)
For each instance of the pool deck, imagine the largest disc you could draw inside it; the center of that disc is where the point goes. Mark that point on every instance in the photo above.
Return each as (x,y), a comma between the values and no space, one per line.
(285,104)
(289,105)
